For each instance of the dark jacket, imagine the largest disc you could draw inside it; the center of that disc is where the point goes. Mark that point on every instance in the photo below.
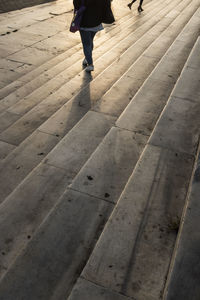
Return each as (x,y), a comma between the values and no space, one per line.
(97,12)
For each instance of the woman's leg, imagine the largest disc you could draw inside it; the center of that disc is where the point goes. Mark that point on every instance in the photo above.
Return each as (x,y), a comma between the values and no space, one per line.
(131,3)
(140,6)
(87,41)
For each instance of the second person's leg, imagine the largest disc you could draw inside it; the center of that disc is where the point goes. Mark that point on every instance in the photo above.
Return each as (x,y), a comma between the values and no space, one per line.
(140,6)
(131,3)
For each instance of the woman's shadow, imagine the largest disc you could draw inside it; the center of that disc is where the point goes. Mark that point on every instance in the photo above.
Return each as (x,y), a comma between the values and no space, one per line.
(79,104)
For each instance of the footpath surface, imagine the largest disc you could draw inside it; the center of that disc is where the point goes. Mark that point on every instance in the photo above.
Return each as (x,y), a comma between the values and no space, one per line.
(98,171)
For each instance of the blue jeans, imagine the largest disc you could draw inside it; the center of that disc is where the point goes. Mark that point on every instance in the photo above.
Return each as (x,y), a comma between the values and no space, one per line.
(87,38)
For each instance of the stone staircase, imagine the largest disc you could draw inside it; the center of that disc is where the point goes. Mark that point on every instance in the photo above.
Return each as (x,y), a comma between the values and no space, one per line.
(95,169)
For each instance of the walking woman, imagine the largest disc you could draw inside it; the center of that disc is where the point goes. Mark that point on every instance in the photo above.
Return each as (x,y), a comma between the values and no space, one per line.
(139,7)
(96,13)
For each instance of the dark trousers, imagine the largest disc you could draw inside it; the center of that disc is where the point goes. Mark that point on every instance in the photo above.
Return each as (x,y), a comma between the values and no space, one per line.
(87,38)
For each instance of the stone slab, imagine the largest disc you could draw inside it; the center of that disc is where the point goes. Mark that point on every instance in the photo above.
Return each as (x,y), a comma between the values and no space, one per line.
(31,56)
(178,126)
(194,23)
(55,44)
(7,118)
(84,290)
(188,87)
(42,189)
(6,90)
(173,61)
(35,87)
(134,251)
(5,149)
(118,97)
(184,273)
(106,172)
(76,147)
(188,84)
(74,225)
(23,159)
(64,119)
(193,61)
(143,111)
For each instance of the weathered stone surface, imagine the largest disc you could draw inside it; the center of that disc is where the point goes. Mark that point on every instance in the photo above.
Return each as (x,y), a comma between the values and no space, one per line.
(76,147)
(5,149)
(85,290)
(7,118)
(185,270)
(19,219)
(46,183)
(133,254)
(61,246)
(23,159)
(6,90)
(178,126)
(117,98)
(108,169)
(193,61)
(36,78)
(143,111)
(31,56)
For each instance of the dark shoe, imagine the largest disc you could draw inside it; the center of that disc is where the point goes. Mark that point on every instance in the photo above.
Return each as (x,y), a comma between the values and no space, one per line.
(84,63)
(89,68)
(140,9)
(129,5)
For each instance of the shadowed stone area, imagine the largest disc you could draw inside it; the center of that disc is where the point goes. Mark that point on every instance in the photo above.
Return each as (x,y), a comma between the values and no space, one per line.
(9,5)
